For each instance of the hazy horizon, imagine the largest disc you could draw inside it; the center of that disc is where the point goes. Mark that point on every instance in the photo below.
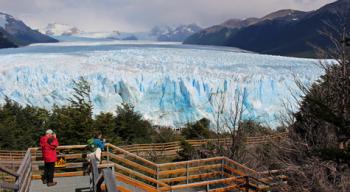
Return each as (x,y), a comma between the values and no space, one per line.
(131,16)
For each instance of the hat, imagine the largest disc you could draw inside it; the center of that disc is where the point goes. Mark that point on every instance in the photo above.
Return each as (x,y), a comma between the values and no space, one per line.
(49,131)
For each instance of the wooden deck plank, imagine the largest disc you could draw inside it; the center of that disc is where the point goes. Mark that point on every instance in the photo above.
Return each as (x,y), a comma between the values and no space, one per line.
(64,184)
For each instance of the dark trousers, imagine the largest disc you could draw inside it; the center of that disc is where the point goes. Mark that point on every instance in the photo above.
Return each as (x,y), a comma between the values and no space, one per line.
(49,170)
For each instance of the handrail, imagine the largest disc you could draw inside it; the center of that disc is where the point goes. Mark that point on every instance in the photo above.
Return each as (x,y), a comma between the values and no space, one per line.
(61,147)
(25,173)
(172,147)
(247,169)
(22,175)
(190,162)
(131,163)
(131,154)
(8,171)
(250,138)
(142,176)
(6,185)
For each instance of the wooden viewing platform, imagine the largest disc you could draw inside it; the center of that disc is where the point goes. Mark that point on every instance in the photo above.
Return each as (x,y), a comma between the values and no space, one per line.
(132,172)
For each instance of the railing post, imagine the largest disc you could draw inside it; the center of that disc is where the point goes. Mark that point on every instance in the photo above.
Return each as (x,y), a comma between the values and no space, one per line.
(30,169)
(12,165)
(109,159)
(107,149)
(113,170)
(208,187)
(222,167)
(247,183)
(187,173)
(157,172)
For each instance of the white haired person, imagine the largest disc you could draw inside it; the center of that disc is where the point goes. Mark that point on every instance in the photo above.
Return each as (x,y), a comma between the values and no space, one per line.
(48,144)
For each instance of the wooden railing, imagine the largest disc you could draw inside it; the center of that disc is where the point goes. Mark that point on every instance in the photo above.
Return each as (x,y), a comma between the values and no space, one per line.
(212,174)
(11,159)
(7,185)
(171,148)
(74,155)
(204,174)
(134,169)
(22,175)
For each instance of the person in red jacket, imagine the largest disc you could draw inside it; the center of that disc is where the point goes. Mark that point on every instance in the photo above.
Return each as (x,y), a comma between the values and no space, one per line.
(48,144)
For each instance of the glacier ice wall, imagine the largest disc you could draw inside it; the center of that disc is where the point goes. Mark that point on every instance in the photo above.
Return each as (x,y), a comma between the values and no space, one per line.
(169,84)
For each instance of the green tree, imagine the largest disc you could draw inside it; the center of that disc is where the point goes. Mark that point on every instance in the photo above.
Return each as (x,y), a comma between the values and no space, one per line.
(166,134)
(131,127)
(324,116)
(187,152)
(81,96)
(197,130)
(74,123)
(21,127)
(320,136)
(106,124)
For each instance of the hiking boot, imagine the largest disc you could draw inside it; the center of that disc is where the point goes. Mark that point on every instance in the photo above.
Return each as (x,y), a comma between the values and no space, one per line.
(43,179)
(51,184)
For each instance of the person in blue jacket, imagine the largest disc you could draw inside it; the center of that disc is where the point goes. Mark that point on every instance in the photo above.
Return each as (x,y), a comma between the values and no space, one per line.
(99,142)
(96,144)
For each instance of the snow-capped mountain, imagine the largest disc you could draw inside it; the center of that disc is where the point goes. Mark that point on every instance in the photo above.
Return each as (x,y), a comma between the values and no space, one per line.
(97,36)
(5,42)
(170,84)
(178,34)
(3,20)
(14,33)
(159,30)
(101,35)
(65,32)
(57,29)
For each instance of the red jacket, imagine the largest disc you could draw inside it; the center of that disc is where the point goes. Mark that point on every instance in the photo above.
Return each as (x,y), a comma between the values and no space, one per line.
(48,146)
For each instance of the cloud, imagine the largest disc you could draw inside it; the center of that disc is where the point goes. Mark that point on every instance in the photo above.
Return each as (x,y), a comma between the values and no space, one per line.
(139,15)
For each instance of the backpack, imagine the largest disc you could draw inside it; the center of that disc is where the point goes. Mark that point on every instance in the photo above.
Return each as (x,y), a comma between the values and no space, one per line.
(91,144)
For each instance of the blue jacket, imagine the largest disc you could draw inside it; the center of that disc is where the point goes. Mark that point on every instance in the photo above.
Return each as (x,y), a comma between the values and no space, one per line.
(99,143)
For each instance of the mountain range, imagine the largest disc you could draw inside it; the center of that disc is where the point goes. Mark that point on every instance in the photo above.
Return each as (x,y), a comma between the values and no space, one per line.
(14,33)
(157,33)
(176,34)
(58,29)
(285,32)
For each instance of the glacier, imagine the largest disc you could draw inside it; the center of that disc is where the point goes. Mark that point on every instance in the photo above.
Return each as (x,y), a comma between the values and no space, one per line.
(168,83)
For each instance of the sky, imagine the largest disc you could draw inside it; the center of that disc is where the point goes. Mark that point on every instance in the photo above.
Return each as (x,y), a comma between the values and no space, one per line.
(141,15)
